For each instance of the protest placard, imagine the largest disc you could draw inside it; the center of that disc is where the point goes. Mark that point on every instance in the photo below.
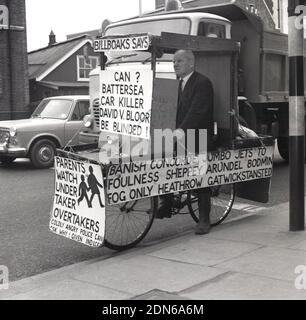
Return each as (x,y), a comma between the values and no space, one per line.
(126,101)
(135,180)
(78,211)
(138,42)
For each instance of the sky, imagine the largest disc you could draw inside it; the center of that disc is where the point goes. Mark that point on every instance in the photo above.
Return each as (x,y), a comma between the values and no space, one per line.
(72,16)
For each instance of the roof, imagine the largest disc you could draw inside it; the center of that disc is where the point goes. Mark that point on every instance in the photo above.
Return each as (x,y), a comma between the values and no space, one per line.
(232,10)
(154,15)
(91,33)
(229,9)
(60,84)
(45,60)
(73,97)
(177,14)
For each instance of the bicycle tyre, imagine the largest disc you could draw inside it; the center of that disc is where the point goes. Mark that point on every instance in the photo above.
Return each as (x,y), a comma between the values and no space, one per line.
(126,224)
(222,200)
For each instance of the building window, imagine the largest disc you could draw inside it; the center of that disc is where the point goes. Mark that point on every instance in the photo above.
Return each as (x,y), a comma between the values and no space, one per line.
(85,65)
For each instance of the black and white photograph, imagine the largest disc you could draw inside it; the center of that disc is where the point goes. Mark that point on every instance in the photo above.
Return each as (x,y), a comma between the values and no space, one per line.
(152,150)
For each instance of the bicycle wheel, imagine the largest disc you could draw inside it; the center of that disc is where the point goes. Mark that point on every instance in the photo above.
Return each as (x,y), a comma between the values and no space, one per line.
(222,199)
(127,223)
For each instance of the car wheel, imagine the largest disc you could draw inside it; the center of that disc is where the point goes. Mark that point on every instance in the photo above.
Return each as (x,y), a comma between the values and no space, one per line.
(42,153)
(6,160)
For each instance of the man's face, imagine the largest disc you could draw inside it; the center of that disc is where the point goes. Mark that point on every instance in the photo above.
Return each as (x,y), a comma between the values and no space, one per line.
(183,65)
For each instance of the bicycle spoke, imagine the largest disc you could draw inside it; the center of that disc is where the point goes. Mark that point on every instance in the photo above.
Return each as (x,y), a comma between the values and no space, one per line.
(221,203)
(128,223)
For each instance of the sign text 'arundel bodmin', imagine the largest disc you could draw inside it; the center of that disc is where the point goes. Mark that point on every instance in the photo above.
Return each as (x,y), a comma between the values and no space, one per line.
(130,43)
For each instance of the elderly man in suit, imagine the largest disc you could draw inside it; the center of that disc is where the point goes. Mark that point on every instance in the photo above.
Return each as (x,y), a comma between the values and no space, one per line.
(194,111)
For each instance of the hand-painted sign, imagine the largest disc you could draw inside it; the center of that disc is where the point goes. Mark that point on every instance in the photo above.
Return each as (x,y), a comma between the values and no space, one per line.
(135,180)
(78,211)
(126,102)
(122,43)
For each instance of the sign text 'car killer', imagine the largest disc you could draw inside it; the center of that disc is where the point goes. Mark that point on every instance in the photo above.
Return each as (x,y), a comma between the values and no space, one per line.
(130,43)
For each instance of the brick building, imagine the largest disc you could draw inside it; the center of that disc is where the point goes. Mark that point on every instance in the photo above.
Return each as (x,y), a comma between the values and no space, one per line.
(14,85)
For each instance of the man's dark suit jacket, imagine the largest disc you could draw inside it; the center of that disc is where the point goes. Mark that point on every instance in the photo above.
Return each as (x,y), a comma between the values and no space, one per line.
(195,110)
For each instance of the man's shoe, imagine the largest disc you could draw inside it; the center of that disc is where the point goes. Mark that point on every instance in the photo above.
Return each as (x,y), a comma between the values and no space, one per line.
(164,211)
(202,228)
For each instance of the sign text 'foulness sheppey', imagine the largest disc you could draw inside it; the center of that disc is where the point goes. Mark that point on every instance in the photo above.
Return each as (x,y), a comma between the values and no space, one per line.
(126,101)
(135,180)
(124,43)
(78,211)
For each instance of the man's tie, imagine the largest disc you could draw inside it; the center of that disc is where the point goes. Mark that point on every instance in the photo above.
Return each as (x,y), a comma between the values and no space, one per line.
(180,92)
(179,99)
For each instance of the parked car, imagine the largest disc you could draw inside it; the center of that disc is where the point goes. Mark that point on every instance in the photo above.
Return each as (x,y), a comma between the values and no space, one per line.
(55,123)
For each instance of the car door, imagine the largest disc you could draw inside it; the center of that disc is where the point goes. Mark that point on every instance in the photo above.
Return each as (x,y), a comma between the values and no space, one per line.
(75,122)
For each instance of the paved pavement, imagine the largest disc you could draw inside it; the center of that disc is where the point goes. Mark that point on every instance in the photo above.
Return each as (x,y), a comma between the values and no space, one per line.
(251,258)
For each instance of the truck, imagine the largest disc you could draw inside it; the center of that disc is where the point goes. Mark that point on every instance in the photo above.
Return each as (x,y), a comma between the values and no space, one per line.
(263,83)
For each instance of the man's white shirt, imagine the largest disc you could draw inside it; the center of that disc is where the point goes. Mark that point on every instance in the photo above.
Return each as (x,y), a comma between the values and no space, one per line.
(185,79)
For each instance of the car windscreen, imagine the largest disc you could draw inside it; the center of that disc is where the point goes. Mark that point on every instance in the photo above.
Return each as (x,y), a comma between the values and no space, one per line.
(53,108)
(155,27)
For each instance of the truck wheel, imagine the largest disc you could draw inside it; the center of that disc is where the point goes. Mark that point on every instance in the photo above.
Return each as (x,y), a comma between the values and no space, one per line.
(283,147)
(42,153)
(6,160)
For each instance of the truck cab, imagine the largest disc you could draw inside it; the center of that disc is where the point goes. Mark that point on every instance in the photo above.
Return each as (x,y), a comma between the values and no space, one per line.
(190,23)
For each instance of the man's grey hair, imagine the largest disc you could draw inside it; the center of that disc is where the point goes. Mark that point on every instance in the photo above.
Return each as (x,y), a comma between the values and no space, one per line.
(188,53)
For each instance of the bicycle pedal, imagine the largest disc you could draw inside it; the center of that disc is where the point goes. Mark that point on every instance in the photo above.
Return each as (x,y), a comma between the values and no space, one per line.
(174,211)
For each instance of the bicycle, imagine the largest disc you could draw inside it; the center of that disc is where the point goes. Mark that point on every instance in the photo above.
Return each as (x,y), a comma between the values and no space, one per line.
(128,223)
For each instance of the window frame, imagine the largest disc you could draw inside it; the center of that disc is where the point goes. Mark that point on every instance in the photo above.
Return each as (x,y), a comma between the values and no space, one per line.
(76,105)
(214,24)
(79,78)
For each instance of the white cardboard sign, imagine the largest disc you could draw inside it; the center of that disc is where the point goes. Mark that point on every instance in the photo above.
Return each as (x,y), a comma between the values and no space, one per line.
(126,102)
(78,211)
